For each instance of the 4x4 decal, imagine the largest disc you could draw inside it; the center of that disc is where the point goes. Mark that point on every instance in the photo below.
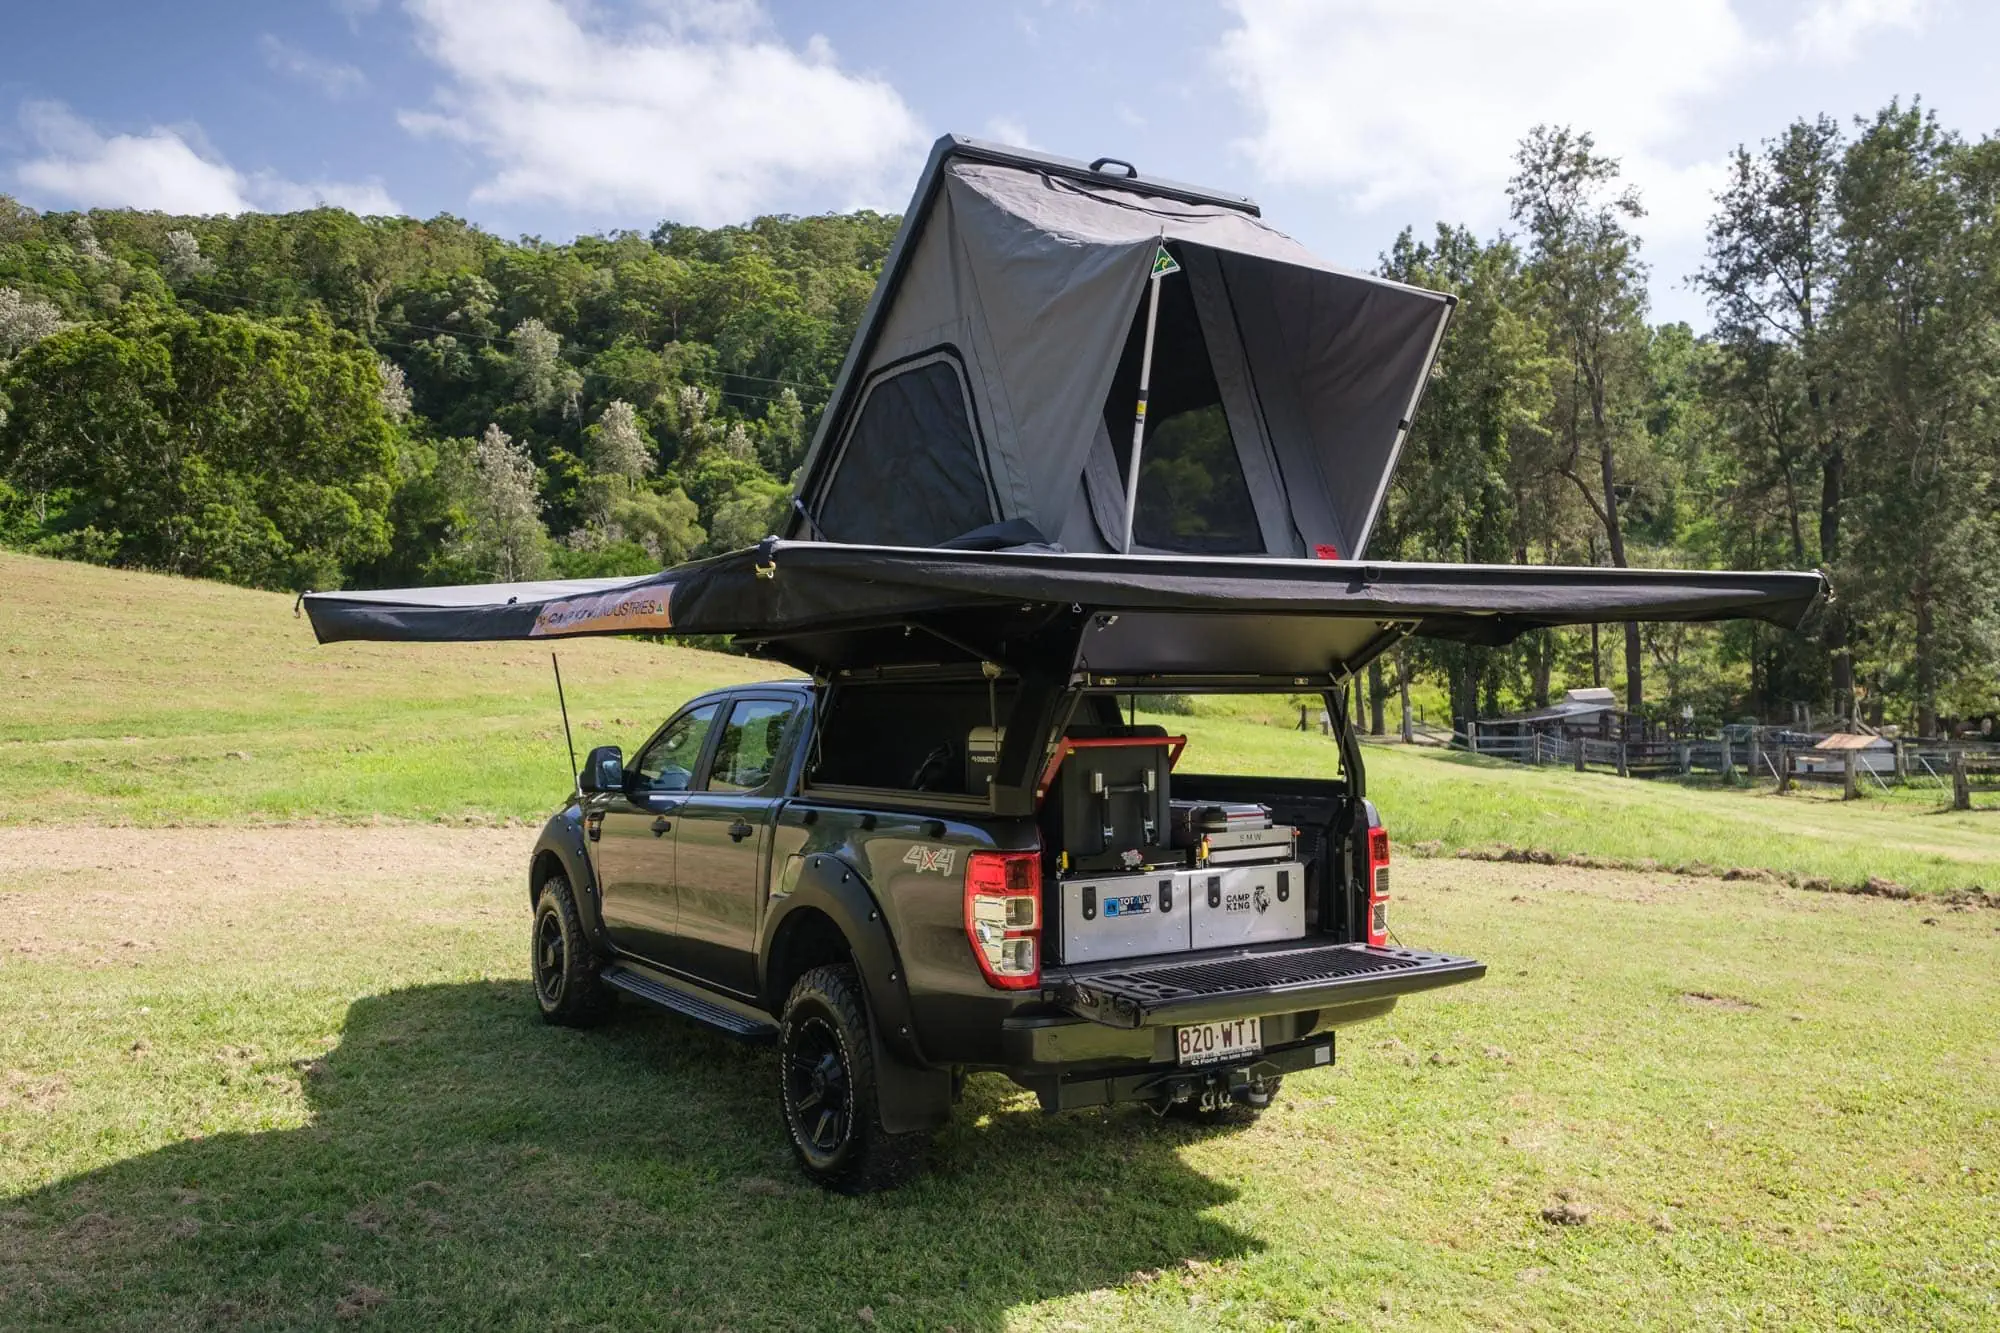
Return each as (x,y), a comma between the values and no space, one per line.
(929,859)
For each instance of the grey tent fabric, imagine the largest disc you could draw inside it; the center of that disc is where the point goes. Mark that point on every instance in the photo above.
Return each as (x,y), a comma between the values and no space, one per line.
(1032,272)
(913,472)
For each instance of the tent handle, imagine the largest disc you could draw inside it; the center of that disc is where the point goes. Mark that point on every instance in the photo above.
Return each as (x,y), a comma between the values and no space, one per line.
(1131,172)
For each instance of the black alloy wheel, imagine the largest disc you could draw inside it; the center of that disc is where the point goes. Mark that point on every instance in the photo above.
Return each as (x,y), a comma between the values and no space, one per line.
(819,1092)
(828,1089)
(567,986)
(551,970)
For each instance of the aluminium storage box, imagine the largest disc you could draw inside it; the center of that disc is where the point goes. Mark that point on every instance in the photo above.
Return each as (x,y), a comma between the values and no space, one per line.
(1124,916)
(1246,904)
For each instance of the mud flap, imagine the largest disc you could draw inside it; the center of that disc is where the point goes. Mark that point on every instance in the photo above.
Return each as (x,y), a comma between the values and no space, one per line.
(909,1099)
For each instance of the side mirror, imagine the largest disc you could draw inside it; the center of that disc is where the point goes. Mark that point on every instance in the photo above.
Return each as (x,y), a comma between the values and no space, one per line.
(604,769)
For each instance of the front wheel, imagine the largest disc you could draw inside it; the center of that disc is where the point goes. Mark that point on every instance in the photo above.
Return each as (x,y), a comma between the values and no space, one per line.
(565,969)
(827,1089)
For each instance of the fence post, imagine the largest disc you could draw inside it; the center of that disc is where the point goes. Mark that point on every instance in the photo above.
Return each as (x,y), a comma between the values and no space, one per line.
(1849,788)
(1728,760)
(1684,756)
(1582,745)
(1784,768)
(1538,747)
(1756,754)
(1902,761)
(1624,766)
(1472,735)
(1961,783)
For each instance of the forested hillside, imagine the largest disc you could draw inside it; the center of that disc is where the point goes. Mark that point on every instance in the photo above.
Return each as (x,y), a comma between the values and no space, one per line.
(317,399)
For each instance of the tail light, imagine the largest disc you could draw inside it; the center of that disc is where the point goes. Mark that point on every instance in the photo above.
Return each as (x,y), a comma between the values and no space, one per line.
(1003,916)
(1378,887)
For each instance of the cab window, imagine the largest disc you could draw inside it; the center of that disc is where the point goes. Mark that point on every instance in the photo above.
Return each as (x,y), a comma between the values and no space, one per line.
(669,762)
(746,754)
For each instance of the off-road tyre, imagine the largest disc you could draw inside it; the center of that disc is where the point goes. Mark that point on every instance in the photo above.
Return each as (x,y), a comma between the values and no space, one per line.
(563,964)
(1191,1112)
(827,1089)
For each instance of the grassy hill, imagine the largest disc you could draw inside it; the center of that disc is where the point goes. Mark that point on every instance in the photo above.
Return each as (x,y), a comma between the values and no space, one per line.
(144,699)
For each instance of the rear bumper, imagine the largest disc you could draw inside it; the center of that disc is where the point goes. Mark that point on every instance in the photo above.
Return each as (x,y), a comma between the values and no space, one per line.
(1250,982)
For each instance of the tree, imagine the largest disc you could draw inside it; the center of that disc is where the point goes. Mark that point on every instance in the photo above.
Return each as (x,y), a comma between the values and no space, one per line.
(505,538)
(182,260)
(1592,287)
(1918,323)
(617,445)
(1774,257)
(542,380)
(25,320)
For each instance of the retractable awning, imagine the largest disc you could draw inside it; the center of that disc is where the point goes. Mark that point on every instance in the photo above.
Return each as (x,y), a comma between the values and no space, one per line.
(824,607)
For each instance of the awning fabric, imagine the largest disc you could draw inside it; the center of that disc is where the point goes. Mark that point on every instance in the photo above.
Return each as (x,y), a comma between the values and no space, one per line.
(827,593)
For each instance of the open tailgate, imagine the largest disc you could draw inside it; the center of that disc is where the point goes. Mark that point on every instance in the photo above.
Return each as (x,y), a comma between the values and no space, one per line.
(1283,977)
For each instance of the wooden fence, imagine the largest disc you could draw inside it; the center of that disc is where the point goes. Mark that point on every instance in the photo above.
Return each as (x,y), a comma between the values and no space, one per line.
(1959,769)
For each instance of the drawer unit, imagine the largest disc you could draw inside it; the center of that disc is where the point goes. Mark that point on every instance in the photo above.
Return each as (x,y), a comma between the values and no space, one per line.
(1124,916)
(1246,904)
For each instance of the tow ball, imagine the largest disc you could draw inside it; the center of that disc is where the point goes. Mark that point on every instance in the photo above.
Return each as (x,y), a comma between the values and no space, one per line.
(1217,1091)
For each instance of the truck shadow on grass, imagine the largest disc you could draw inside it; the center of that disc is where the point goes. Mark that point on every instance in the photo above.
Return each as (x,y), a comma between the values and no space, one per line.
(468,1167)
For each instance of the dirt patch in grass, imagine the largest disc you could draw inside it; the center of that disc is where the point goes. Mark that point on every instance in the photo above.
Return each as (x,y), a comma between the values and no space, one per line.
(1709,999)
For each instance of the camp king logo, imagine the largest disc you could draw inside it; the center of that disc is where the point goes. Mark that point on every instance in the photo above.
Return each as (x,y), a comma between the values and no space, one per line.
(614,612)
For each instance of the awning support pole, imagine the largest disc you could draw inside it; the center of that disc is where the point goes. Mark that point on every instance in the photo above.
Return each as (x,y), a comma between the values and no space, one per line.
(1145,382)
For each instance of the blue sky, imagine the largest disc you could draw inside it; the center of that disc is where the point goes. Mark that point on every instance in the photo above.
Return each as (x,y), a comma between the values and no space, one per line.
(1347,119)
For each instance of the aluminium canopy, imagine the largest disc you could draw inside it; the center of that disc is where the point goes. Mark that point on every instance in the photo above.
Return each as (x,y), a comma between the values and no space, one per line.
(827,607)
(995,373)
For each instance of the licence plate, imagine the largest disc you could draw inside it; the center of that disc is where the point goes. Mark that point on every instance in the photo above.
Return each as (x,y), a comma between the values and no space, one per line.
(1209,1043)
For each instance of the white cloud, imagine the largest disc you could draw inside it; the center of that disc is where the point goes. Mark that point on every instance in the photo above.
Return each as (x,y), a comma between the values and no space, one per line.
(1423,101)
(330,76)
(1009,130)
(161,169)
(700,111)
(1832,30)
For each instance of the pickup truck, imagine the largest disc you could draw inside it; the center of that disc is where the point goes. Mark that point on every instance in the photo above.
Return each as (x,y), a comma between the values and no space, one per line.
(810,865)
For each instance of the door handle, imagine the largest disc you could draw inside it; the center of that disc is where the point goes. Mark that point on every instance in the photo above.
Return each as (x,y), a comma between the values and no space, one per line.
(661,825)
(739,831)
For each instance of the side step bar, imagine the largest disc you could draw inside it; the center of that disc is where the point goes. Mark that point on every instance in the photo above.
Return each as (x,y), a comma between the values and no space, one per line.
(691,1001)
(1252,982)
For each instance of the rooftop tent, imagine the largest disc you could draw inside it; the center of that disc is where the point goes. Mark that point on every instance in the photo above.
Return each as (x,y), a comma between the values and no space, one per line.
(995,374)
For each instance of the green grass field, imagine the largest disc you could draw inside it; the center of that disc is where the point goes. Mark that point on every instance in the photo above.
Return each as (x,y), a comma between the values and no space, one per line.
(150,700)
(268,1054)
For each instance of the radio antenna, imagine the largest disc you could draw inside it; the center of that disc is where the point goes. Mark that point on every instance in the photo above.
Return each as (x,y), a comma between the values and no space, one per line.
(575,781)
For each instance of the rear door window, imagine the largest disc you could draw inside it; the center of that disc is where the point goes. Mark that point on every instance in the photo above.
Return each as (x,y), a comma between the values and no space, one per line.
(748,750)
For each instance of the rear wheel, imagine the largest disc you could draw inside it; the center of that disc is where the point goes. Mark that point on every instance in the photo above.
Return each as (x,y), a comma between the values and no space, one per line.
(564,966)
(827,1089)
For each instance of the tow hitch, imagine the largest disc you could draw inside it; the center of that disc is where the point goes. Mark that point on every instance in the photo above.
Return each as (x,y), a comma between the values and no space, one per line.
(1215,1091)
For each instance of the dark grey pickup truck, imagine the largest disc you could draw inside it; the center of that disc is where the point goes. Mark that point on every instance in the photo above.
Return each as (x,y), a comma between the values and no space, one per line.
(1098,435)
(1146,936)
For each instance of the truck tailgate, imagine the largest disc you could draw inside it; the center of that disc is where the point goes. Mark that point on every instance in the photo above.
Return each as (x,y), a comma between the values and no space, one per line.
(1277,978)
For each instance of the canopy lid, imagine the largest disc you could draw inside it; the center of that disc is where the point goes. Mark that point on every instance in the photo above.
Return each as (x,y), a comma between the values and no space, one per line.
(995,374)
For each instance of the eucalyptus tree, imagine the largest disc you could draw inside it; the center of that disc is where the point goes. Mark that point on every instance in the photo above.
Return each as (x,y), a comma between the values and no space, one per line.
(1775,257)
(1918,325)
(1583,259)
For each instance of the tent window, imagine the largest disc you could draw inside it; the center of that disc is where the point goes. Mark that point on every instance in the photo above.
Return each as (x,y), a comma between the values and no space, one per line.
(910,472)
(1192,494)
